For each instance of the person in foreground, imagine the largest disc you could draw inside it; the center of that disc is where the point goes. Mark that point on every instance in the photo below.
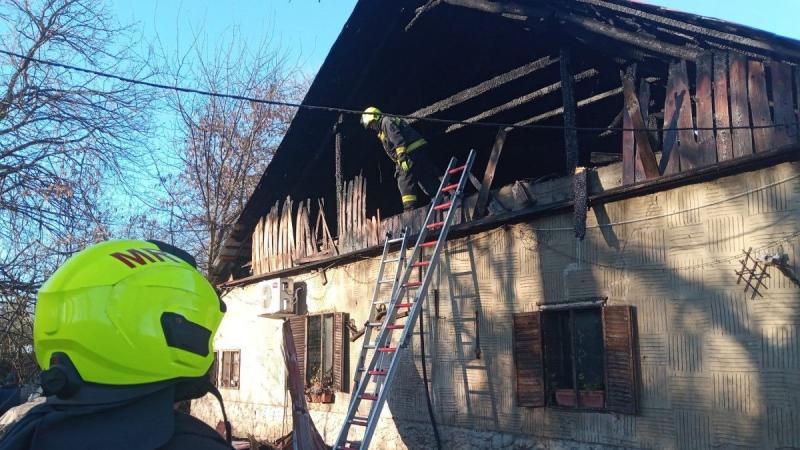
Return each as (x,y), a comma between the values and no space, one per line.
(122,331)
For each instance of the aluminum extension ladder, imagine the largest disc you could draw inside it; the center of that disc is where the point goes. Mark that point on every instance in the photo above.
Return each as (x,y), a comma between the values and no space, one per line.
(380,371)
(380,299)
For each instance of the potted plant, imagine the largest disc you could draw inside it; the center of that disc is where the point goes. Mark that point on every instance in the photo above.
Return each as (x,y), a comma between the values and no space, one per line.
(592,396)
(565,397)
(321,387)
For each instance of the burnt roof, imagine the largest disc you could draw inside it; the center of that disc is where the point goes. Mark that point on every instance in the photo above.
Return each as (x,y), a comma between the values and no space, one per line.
(390,56)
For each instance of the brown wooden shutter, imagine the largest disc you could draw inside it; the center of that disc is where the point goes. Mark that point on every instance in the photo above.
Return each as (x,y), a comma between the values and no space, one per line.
(528,359)
(619,338)
(340,352)
(213,372)
(235,356)
(298,325)
(226,369)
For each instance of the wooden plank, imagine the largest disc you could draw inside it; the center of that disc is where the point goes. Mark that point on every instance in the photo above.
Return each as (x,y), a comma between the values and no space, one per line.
(340,352)
(570,111)
(783,106)
(621,381)
(528,361)
(628,150)
(644,107)
(688,149)
(764,138)
(704,106)
(298,328)
(677,115)
(488,176)
(642,141)
(722,119)
(740,110)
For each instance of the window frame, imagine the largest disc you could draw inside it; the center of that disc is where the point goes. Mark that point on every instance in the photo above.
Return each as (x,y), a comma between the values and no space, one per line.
(574,359)
(226,373)
(620,359)
(339,345)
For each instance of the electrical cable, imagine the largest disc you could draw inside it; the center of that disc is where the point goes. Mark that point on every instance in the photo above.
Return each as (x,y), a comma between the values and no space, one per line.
(425,379)
(342,110)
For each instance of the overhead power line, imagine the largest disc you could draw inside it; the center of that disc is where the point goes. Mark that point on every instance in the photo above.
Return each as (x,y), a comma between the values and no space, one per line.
(341,110)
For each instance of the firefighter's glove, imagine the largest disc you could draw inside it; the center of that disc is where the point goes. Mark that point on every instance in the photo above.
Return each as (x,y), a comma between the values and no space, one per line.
(404,166)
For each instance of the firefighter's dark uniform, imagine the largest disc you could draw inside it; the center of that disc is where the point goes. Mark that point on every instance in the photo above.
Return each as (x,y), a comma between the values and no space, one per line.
(413,166)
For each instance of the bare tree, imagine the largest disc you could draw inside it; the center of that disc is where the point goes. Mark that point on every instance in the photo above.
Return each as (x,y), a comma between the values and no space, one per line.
(65,140)
(225,144)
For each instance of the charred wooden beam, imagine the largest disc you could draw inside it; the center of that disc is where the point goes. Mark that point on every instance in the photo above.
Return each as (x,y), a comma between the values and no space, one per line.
(338,129)
(570,111)
(549,89)
(488,176)
(692,28)
(643,149)
(730,167)
(560,110)
(486,86)
(595,26)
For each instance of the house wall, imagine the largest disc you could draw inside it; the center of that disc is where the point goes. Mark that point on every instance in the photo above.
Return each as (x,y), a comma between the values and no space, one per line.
(718,367)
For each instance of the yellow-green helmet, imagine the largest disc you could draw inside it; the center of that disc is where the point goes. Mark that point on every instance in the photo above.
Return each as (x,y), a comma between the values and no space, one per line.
(370,115)
(128,312)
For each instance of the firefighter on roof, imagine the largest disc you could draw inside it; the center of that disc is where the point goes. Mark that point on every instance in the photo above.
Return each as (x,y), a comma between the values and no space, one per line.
(407,148)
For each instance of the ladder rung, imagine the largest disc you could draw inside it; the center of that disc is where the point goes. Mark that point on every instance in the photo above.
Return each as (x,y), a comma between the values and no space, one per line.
(393,240)
(395,327)
(421,264)
(383,302)
(428,244)
(451,187)
(404,305)
(442,206)
(347,447)
(372,397)
(386,281)
(387,349)
(374,324)
(377,372)
(436,225)
(412,284)
(361,423)
(391,260)
(456,169)
(369,346)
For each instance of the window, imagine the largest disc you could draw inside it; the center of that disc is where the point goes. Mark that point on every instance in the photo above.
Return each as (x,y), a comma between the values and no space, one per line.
(573,358)
(230,369)
(322,345)
(576,358)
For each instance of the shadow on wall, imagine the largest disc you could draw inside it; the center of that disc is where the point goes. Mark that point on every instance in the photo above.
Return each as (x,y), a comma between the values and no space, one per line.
(717,368)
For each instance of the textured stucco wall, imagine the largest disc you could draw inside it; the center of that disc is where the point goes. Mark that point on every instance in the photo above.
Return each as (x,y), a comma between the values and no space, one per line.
(718,368)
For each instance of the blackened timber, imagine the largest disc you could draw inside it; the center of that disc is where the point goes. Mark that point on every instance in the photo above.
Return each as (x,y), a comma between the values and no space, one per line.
(643,150)
(722,115)
(692,28)
(640,40)
(549,89)
(705,109)
(338,127)
(488,176)
(560,110)
(783,106)
(759,107)
(486,86)
(628,140)
(740,110)
(570,111)
(730,167)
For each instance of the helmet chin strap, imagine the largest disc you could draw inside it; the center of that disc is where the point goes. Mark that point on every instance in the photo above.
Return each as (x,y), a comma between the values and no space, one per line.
(215,392)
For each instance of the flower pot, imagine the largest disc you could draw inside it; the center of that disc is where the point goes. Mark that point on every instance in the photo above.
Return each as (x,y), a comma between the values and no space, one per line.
(565,397)
(592,399)
(326,397)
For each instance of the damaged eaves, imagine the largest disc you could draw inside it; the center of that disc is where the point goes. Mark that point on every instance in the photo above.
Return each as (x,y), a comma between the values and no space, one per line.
(520,84)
